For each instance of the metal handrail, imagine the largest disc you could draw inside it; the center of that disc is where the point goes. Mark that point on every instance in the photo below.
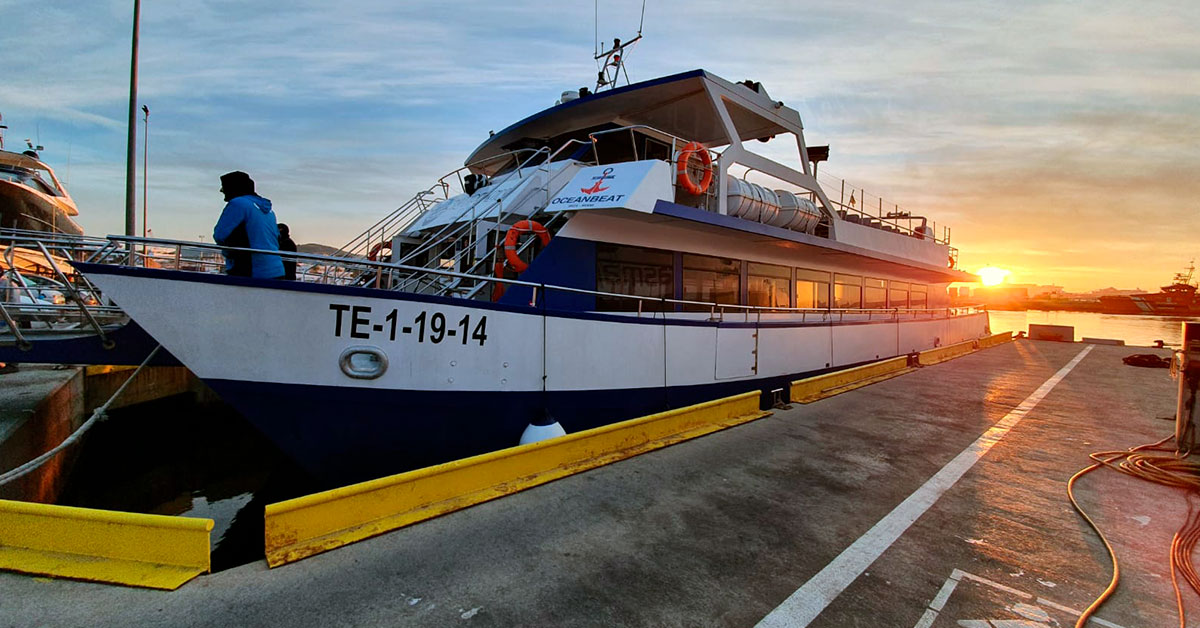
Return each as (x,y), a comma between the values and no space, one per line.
(104,340)
(469,227)
(381,266)
(397,215)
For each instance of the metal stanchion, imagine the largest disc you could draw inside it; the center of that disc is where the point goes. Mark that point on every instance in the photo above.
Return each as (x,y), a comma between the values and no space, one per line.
(1189,376)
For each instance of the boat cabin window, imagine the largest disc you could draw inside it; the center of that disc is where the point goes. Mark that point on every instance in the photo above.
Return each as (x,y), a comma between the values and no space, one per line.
(655,149)
(847,291)
(812,289)
(768,285)
(33,179)
(874,294)
(919,297)
(710,279)
(637,271)
(898,294)
(620,147)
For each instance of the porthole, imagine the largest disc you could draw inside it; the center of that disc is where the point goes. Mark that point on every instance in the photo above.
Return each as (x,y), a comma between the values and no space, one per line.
(363,362)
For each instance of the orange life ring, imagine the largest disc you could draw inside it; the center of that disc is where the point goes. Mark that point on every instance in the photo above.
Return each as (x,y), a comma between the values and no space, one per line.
(681,164)
(374,254)
(514,235)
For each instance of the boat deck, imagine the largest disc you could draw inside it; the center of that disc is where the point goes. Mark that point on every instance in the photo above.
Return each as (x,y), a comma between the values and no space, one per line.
(770,522)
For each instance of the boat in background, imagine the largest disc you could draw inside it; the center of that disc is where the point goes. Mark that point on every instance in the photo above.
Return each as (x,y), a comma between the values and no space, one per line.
(1178,299)
(31,196)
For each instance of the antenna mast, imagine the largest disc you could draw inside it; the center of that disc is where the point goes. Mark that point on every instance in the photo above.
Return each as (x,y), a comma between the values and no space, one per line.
(614,59)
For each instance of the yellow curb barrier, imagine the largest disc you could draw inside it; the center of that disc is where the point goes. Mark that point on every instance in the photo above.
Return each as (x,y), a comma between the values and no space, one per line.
(305,526)
(995,339)
(819,387)
(153,551)
(930,357)
(811,389)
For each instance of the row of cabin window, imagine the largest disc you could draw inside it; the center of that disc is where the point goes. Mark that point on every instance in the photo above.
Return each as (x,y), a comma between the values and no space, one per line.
(651,273)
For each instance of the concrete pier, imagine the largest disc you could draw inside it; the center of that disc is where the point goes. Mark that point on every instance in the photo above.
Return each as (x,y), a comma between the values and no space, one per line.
(41,405)
(799,519)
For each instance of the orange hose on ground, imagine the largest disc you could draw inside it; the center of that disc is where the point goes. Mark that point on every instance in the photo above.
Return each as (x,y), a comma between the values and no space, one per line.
(1168,470)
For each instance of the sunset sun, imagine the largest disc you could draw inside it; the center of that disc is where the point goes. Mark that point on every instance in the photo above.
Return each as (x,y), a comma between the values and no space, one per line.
(992,276)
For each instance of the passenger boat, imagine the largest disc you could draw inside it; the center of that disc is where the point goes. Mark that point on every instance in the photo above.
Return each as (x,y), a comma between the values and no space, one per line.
(617,254)
(1178,299)
(31,196)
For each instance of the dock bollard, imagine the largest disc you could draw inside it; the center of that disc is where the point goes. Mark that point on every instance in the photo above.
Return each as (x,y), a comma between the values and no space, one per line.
(1189,377)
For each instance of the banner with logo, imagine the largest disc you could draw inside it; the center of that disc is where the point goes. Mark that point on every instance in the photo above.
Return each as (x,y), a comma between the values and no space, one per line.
(635,185)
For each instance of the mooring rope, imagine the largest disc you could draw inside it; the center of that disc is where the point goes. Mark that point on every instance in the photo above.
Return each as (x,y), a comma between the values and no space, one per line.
(97,415)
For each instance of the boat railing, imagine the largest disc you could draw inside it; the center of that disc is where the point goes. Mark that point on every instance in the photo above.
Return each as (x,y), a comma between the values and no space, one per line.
(89,312)
(389,273)
(493,255)
(855,204)
(25,308)
(380,234)
(464,227)
(493,194)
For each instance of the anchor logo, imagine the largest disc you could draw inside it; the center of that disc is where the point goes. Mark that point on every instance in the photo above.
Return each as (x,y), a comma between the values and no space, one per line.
(607,174)
(594,189)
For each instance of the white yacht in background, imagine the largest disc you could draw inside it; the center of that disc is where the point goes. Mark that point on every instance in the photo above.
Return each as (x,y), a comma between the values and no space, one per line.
(31,196)
(620,253)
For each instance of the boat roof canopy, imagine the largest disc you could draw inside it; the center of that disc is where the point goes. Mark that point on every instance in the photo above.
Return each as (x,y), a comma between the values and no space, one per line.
(682,105)
(21,160)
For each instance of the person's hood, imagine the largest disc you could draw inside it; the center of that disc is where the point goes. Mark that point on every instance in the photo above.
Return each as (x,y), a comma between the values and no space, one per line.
(262,204)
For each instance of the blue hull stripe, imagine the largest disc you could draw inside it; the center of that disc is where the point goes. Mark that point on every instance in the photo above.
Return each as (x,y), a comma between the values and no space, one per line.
(343,435)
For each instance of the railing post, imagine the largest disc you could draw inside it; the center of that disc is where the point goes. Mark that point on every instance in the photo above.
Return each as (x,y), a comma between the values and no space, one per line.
(1188,360)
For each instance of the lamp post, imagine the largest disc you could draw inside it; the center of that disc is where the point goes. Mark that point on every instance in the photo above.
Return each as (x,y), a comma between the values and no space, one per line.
(145,178)
(145,162)
(130,211)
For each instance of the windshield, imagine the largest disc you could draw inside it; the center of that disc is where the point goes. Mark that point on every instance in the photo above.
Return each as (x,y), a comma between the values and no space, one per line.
(40,180)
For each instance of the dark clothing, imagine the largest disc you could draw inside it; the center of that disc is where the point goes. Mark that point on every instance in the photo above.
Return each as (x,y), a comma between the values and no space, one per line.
(235,184)
(289,264)
(237,263)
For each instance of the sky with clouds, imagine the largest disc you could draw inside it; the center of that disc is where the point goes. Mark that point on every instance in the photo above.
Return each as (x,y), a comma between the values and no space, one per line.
(1057,139)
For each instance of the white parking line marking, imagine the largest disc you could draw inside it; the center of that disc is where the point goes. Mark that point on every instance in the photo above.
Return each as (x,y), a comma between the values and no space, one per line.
(803,606)
(956,576)
(940,599)
(996,585)
(927,619)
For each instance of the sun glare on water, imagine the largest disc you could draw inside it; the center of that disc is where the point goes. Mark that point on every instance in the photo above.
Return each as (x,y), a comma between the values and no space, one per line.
(992,276)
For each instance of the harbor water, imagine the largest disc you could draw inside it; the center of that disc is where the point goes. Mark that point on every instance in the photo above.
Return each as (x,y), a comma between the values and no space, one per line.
(1140,331)
(178,456)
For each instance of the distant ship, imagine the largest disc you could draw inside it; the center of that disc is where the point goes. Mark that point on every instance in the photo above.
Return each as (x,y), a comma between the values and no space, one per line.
(1177,299)
(31,197)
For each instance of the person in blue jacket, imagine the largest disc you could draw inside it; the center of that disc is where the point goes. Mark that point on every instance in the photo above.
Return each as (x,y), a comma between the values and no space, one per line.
(247,222)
